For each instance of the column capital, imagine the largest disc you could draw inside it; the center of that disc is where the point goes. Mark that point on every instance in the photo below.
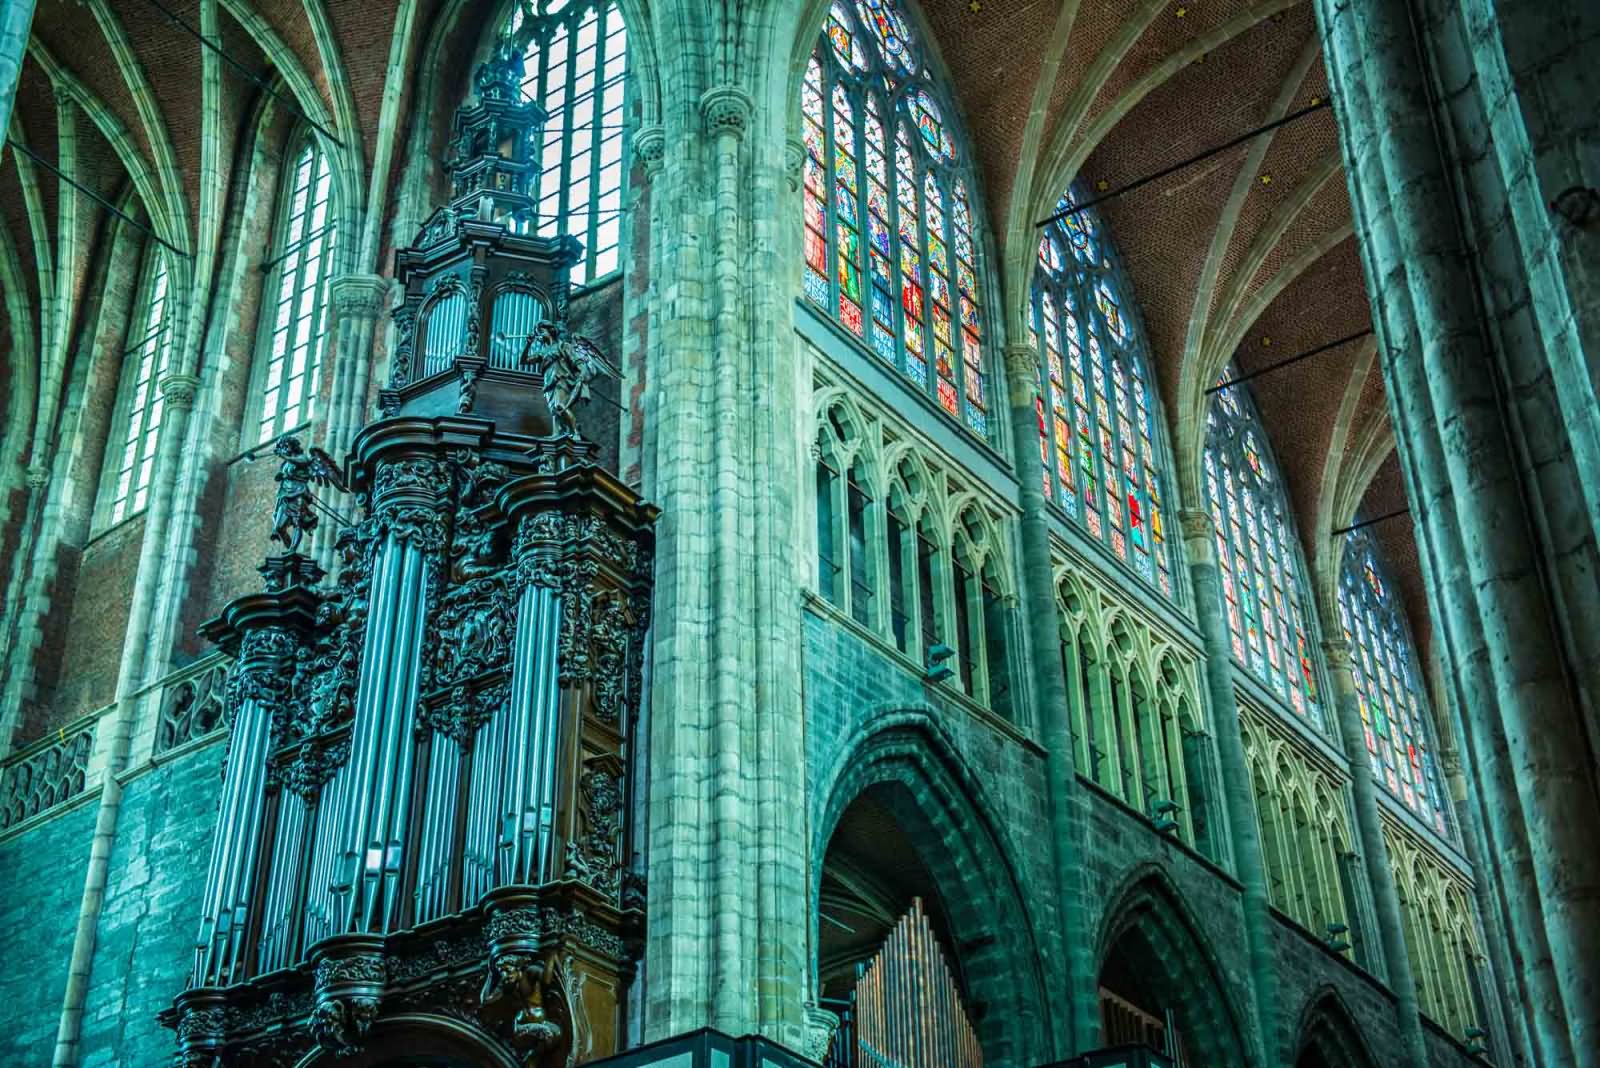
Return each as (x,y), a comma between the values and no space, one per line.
(1338,654)
(1021,359)
(1197,525)
(38,477)
(726,109)
(650,147)
(180,390)
(360,295)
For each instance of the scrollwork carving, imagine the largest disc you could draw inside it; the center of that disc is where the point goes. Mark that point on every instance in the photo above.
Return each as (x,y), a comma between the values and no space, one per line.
(592,853)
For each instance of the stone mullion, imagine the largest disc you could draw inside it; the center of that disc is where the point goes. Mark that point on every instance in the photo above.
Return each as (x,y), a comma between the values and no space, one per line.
(1443,564)
(1080,1030)
(1200,546)
(1375,853)
(1535,703)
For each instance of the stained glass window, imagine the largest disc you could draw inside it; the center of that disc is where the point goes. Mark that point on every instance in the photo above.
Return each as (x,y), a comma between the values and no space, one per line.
(889,241)
(302,261)
(1099,436)
(144,362)
(1258,554)
(1389,689)
(576,68)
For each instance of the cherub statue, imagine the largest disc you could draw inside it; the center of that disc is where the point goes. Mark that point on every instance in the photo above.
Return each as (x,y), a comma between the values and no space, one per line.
(567,362)
(294,514)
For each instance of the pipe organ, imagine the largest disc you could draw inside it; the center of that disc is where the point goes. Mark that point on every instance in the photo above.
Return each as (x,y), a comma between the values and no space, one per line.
(905,1010)
(425,796)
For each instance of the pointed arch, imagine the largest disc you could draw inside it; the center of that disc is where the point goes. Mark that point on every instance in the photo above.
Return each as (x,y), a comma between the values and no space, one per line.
(1148,927)
(1101,430)
(891,241)
(938,801)
(1328,1035)
(1264,587)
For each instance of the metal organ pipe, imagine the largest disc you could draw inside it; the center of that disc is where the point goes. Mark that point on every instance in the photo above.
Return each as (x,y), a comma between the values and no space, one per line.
(234,851)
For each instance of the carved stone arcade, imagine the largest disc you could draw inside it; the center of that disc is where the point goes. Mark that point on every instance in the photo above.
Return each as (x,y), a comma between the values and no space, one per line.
(424,805)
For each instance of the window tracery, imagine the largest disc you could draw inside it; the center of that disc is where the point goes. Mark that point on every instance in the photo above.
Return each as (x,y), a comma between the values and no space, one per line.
(889,241)
(302,264)
(144,362)
(1258,554)
(1389,688)
(576,67)
(1098,432)
(1441,936)
(1134,715)
(911,555)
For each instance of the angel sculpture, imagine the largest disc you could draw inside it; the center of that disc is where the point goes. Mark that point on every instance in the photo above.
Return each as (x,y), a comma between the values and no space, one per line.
(294,513)
(567,363)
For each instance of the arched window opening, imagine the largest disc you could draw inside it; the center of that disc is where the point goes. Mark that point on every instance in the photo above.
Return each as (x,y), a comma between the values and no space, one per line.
(1201,777)
(1395,719)
(1093,711)
(968,622)
(1258,553)
(928,571)
(301,264)
(144,363)
(996,657)
(900,553)
(575,67)
(516,312)
(858,508)
(1099,437)
(829,565)
(889,241)
(444,331)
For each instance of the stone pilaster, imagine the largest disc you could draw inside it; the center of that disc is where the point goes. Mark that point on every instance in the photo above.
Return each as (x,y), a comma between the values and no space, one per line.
(1375,854)
(1074,926)
(1199,538)
(359,301)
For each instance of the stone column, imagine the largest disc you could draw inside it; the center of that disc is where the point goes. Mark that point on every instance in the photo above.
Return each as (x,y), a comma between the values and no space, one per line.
(1460,420)
(1043,664)
(1375,853)
(116,729)
(1199,538)
(358,303)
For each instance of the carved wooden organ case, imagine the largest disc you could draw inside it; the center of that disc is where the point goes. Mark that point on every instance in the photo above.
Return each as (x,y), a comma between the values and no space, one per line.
(424,812)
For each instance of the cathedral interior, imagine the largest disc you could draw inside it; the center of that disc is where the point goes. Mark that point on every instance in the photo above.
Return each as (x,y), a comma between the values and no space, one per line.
(872,533)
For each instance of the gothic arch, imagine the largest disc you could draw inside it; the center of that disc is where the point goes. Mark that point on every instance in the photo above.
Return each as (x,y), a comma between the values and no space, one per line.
(1147,920)
(939,804)
(1328,1036)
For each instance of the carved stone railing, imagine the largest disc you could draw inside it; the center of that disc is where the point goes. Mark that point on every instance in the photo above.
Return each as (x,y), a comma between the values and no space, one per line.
(192,702)
(48,773)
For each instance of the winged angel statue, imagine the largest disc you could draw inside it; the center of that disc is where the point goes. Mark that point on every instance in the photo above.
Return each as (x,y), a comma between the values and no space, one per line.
(567,362)
(295,511)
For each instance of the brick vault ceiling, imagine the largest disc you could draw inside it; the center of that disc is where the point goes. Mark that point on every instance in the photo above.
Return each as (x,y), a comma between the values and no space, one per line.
(1247,256)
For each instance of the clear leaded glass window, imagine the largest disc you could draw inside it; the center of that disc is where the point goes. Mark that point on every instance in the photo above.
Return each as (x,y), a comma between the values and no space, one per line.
(1099,437)
(143,364)
(576,68)
(890,250)
(1389,688)
(1258,553)
(299,325)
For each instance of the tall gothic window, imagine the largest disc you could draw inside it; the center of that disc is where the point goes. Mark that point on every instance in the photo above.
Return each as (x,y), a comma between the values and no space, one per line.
(1389,687)
(301,264)
(1099,436)
(890,250)
(1258,554)
(144,362)
(576,69)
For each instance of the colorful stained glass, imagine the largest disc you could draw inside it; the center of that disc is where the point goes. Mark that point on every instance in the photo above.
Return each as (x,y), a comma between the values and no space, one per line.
(907,227)
(929,122)
(1388,682)
(1254,532)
